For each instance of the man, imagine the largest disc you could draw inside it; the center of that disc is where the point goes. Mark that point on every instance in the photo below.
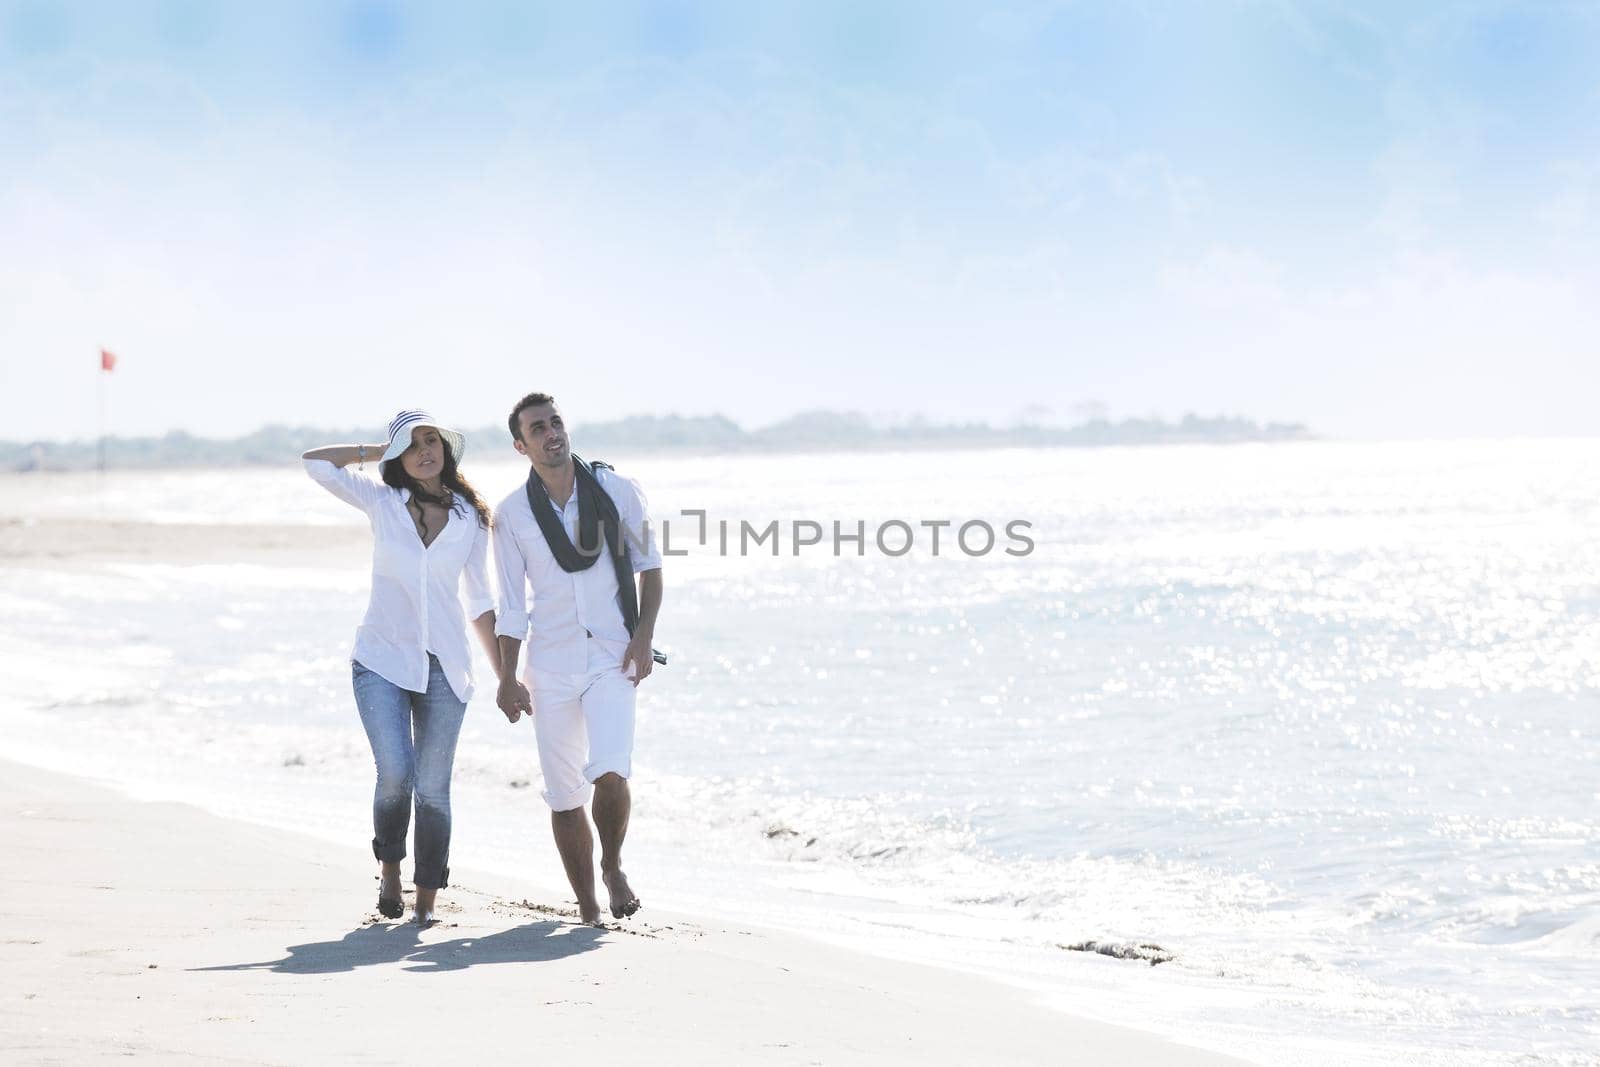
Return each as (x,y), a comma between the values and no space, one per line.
(570,535)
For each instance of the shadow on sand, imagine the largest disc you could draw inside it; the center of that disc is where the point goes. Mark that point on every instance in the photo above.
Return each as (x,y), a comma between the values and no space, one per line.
(384,943)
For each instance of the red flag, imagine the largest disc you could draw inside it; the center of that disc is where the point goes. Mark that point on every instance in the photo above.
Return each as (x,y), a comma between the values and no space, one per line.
(108,360)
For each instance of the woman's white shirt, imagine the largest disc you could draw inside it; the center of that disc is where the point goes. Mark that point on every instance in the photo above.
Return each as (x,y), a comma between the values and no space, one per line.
(417,590)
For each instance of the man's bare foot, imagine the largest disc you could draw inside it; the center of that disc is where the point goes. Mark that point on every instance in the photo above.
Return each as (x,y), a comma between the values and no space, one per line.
(390,904)
(623,902)
(423,911)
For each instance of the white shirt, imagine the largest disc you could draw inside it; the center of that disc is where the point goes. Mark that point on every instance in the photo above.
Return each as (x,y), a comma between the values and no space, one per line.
(567,608)
(415,607)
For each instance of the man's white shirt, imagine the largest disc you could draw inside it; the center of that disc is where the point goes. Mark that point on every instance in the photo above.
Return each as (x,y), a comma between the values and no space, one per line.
(566,608)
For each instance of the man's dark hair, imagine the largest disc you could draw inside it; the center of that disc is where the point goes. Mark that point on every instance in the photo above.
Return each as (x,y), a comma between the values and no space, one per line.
(532,400)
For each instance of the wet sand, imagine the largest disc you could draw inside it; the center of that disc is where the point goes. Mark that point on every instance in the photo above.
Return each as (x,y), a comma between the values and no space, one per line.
(161,932)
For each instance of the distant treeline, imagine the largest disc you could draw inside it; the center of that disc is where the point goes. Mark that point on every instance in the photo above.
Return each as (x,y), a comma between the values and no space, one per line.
(810,432)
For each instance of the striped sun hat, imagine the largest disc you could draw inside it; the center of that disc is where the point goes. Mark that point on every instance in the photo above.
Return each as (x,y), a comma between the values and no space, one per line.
(400,428)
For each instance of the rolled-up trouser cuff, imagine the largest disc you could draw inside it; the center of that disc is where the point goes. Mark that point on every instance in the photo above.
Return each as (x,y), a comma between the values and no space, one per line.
(435,879)
(622,766)
(569,799)
(389,853)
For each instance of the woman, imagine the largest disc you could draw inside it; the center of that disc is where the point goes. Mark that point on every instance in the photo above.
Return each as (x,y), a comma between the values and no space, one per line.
(411,665)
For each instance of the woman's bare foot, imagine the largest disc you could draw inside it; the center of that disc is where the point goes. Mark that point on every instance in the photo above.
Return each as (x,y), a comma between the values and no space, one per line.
(623,902)
(424,908)
(390,904)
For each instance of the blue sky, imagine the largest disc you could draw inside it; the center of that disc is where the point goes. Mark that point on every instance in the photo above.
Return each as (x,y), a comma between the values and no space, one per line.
(1380,219)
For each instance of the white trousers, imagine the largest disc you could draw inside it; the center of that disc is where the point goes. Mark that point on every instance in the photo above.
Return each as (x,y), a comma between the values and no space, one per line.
(584,726)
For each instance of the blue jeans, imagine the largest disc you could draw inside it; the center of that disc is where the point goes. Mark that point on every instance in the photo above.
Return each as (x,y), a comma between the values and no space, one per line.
(405,769)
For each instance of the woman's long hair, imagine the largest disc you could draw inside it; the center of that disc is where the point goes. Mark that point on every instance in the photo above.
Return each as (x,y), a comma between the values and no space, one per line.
(395,475)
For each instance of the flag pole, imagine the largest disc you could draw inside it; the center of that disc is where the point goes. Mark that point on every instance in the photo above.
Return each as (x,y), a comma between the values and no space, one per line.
(101,397)
(108,362)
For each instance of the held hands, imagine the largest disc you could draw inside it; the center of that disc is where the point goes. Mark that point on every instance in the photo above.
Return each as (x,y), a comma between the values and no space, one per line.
(513,699)
(639,660)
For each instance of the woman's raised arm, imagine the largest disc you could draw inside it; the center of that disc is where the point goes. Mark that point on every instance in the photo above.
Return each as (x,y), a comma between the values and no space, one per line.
(327,468)
(344,455)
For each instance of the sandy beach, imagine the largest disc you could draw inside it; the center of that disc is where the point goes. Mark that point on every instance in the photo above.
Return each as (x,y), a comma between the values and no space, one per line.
(59,541)
(161,932)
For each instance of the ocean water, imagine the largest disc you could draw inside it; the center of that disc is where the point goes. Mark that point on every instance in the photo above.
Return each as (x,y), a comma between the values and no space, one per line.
(1316,718)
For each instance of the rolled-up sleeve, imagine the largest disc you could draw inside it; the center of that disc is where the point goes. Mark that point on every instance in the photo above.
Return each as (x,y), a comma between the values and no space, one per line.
(354,489)
(511,568)
(478,597)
